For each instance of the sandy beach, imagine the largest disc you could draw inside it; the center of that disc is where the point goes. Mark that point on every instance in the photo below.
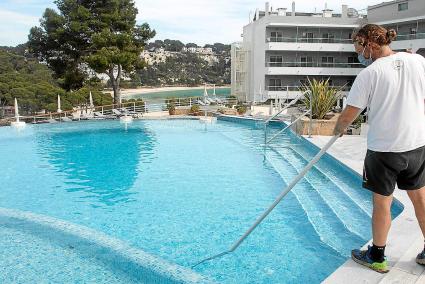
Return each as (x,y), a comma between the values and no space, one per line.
(129,92)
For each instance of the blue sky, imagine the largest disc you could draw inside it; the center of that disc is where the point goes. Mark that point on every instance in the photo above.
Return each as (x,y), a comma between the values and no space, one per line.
(198,21)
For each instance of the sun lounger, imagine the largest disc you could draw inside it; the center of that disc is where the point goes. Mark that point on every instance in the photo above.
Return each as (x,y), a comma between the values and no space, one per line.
(210,100)
(101,115)
(117,112)
(219,101)
(129,112)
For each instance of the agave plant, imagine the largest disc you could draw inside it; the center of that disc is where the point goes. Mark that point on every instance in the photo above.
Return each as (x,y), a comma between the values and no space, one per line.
(323,96)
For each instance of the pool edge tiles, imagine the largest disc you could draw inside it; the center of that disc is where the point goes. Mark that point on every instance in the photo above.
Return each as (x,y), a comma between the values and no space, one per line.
(132,261)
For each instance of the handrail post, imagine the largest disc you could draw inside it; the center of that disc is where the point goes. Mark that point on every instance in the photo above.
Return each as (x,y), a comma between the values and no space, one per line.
(134,106)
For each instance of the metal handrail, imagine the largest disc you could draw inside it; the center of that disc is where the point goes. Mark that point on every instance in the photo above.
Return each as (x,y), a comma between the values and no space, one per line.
(315,64)
(309,40)
(276,202)
(280,131)
(286,107)
(411,36)
(286,88)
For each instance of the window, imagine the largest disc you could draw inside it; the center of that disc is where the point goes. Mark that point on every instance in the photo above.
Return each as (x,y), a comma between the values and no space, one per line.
(403,6)
(306,61)
(328,37)
(327,61)
(350,82)
(275,84)
(276,36)
(276,60)
(413,32)
(307,37)
(303,82)
(353,61)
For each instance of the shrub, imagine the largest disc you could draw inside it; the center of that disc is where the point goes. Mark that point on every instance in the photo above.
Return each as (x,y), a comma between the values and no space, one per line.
(194,109)
(323,97)
(171,108)
(241,109)
(221,110)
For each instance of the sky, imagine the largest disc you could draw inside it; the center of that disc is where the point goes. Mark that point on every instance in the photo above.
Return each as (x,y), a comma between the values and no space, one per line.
(198,21)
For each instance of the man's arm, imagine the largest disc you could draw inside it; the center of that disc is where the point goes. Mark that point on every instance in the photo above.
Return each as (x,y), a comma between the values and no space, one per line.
(348,115)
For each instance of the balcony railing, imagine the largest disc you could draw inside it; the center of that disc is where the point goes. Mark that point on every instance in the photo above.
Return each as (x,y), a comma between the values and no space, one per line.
(309,40)
(298,88)
(337,40)
(410,36)
(314,64)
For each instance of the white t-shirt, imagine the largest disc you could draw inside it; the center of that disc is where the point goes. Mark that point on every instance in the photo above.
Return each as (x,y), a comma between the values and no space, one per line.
(394,89)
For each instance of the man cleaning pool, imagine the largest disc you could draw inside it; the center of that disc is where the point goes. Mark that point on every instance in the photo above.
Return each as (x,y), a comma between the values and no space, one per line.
(392,88)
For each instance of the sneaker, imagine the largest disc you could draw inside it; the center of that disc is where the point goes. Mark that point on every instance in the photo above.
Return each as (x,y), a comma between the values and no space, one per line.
(363,257)
(421,258)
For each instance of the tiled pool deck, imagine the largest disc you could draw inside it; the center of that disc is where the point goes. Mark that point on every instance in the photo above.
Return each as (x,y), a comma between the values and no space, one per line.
(405,238)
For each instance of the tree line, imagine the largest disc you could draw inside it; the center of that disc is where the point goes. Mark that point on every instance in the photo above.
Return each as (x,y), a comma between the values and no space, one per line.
(186,69)
(35,88)
(177,46)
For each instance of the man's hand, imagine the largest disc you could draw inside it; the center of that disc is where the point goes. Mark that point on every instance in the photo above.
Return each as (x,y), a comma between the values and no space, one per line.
(348,115)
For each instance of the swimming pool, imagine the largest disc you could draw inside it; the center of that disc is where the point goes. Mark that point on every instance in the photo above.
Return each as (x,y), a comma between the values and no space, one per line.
(180,191)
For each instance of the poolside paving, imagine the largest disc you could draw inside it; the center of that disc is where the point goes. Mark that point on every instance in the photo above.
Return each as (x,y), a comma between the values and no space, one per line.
(405,239)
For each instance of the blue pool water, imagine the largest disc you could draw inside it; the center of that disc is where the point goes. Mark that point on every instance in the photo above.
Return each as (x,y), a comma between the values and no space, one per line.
(180,190)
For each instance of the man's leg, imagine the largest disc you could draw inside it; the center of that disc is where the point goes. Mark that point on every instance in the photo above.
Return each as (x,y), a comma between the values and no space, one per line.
(418,199)
(381,218)
(374,256)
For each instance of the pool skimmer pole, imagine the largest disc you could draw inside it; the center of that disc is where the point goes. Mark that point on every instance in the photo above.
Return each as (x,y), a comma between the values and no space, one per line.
(276,202)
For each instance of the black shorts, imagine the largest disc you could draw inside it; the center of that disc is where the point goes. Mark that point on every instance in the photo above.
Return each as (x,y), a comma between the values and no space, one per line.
(382,170)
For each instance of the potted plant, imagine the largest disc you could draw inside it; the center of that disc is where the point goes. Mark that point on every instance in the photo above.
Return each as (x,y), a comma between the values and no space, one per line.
(171,108)
(322,98)
(241,109)
(194,110)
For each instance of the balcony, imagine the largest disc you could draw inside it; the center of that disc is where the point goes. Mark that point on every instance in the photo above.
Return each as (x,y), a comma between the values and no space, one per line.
(314,64)
(403,41)
(309,44)
(291,92)
(309,40)
(313,68)
(409,41)
(410,36)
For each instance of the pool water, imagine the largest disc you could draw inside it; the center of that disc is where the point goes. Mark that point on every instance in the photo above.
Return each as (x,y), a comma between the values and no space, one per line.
(181,191)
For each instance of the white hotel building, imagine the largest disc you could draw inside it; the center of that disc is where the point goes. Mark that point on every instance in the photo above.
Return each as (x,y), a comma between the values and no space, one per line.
(281,48)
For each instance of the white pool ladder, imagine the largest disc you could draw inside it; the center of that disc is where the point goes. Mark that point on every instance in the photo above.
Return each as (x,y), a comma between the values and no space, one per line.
(266,122)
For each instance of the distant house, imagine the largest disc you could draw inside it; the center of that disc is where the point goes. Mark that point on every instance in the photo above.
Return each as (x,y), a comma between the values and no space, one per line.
(192,49)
